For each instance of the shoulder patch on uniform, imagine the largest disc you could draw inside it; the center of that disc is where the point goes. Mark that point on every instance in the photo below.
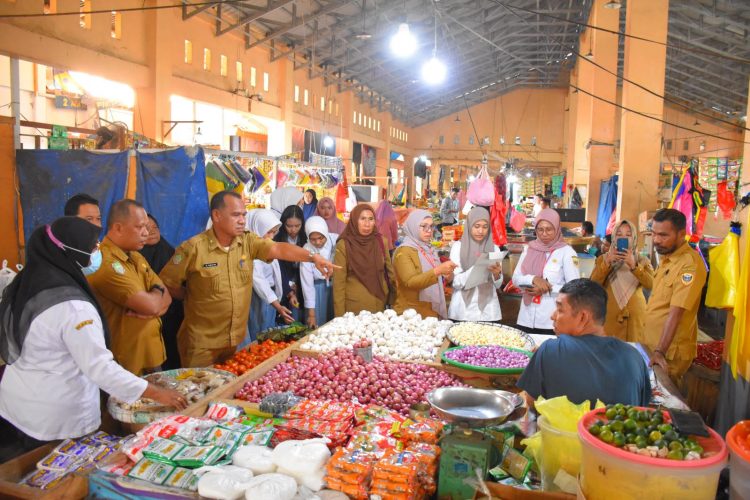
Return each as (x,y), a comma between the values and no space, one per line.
(84,323)
(177,258)
(575,260)
(118,268)
(686,278)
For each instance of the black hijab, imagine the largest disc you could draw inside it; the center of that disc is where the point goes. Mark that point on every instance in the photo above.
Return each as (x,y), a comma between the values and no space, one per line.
(158,254)
(52,276)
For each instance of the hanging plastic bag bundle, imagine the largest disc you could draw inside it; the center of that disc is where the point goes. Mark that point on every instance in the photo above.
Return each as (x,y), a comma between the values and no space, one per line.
(482,192)
(725,271)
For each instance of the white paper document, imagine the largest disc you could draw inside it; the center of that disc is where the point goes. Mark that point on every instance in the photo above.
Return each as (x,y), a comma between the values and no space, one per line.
(479,273)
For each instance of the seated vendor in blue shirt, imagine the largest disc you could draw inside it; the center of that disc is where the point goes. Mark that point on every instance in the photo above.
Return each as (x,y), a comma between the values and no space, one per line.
(582,363)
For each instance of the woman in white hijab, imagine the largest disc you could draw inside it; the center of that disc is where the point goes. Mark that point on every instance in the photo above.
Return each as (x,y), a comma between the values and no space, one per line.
(284,197)
(316,290)
(479,303)
(266,279)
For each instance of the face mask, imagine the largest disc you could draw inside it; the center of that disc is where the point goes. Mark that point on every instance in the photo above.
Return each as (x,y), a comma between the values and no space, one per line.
(94,264)
(95,257)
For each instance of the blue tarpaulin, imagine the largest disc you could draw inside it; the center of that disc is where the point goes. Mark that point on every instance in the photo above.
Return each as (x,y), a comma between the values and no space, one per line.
(48,178)
(607,205)
(172,187)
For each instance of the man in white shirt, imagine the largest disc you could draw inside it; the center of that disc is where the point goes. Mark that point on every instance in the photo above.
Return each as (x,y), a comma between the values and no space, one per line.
(537,204)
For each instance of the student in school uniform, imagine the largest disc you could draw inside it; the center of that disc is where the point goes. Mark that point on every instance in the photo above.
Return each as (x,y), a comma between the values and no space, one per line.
(316,290)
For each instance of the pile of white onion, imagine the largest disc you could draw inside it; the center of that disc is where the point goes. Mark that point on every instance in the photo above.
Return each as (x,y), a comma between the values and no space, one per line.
(407,337)
(344,376)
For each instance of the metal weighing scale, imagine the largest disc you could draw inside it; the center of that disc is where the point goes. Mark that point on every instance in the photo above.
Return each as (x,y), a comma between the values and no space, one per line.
(464,450)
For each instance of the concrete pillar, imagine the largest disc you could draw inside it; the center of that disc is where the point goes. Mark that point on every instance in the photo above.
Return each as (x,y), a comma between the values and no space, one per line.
(640,136)
(286,93)
(595,119)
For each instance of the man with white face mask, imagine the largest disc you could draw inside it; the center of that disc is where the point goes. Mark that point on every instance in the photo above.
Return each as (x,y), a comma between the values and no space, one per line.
(131,294)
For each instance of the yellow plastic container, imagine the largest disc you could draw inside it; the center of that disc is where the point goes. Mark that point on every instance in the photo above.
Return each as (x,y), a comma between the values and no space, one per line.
(561,458)
(611,473)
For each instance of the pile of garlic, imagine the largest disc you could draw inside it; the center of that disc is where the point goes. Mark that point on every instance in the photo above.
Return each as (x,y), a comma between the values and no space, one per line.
(406,337)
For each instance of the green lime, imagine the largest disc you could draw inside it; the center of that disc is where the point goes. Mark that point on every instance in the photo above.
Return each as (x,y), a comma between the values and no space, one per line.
(617,426)
(606,436)
(664,428)
(619,417)
(656,417)
(618,439)
(654,436)
(660,443)
(691,442)
(633,414)
(651,428)
(619,406)
(630,438)
(671,435)
(640,431)
(675,455)
(622,413)
(675,445)
(641,442)
(609,406)
(610,413)
(630,424)
(595,429)
(698,449)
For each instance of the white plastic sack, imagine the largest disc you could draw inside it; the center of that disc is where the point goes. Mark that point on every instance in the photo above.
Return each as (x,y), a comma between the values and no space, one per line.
(304,460)
(312,480)
(225,482)
(271,487)
(7,275)
(256,458)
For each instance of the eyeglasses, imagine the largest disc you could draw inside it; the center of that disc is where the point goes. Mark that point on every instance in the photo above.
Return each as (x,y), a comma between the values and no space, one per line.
(426,227)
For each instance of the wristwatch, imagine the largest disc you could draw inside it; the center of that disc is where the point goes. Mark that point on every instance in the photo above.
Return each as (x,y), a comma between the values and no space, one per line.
(312,254)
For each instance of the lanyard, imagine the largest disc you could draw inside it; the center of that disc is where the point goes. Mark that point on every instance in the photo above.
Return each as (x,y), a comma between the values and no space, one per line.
(429,258)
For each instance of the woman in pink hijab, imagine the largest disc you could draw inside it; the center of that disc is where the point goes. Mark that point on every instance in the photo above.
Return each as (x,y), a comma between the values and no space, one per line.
(546,264)
(327,210)
(385,218)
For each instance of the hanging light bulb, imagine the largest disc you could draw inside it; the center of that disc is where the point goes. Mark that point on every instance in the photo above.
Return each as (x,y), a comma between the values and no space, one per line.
(433,71)
(403,43)
(328,141)
(528,174)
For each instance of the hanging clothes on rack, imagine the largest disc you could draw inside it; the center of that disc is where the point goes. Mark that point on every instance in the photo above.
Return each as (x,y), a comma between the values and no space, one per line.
(607,205)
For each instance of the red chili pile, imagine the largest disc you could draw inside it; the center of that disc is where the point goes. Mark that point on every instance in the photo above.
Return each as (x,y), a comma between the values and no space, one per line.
(342,376)
(709,354)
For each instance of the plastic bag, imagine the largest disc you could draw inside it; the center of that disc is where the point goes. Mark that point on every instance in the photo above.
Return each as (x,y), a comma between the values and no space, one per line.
(725,272)
(498,211)
(517,220)
(271,487)
(256,458)
(7,275)
(303,460)
(482,192)
(226,482)
(562,414)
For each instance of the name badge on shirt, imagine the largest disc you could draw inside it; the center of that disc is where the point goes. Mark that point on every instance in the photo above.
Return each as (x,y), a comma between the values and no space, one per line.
(84,323)
(117,267)
(211,264)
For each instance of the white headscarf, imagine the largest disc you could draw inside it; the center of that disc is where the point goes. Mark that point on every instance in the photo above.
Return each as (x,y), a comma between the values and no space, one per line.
(317,224)
(283,197)
(260,221)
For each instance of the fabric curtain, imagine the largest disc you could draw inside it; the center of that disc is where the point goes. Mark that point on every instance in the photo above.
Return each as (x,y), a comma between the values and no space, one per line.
(48,178)
(172,187)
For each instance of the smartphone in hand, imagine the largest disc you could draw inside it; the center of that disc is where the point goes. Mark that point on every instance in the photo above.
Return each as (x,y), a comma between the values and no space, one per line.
(622,244)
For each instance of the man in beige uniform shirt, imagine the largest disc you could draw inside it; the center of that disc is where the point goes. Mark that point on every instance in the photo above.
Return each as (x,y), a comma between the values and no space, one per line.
(213,271)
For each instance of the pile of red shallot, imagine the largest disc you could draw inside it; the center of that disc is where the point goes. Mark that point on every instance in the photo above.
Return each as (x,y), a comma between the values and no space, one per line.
(343,376)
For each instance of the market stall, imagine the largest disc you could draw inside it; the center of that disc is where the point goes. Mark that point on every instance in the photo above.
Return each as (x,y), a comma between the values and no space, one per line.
(325,371)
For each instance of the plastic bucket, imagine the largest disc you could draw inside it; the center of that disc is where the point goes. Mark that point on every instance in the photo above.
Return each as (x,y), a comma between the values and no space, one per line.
(739,460)
(616,474)
(561,458)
